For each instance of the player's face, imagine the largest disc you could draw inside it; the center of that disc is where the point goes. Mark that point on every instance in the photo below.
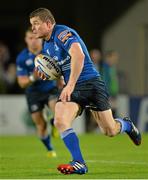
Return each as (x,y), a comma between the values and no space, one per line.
(40,29)
(31,41)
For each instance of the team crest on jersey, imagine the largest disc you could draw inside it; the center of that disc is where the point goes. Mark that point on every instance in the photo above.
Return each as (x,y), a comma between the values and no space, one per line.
(29,62)
(56,46)
(64,36)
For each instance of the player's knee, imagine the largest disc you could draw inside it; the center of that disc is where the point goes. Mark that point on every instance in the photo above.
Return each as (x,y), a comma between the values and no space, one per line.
(59,123)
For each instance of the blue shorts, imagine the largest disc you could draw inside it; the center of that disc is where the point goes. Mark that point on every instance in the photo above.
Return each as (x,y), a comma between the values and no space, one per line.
(91,94)
(37,100)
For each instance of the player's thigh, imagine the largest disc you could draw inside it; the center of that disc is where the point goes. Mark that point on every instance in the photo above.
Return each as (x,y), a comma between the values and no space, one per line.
(52,99)
(52,103)
(105,119)
(66,112)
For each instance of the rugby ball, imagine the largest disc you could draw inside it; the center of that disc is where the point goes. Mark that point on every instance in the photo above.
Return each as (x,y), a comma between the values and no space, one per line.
(48,66)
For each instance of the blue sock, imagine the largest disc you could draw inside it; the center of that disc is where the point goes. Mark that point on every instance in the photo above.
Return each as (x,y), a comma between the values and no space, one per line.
(46,142)
(125,125)
(72,143)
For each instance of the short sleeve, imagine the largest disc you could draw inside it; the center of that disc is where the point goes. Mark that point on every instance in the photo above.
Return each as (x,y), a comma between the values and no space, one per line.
(20,67)
(66,38)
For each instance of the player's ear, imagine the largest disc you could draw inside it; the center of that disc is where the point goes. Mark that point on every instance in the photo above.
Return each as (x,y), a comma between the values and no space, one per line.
(49,24)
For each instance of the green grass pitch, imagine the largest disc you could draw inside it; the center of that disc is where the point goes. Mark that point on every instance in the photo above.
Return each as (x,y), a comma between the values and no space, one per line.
(116,158)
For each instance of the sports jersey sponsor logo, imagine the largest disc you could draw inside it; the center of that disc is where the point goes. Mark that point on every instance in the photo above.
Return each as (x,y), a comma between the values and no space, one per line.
(51,64)
(64,36)
(70,38)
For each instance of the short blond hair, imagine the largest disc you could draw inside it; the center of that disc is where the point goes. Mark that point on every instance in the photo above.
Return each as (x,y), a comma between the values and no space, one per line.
(44,14)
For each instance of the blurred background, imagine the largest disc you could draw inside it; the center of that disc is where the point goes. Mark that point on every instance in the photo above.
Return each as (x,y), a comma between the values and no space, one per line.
(116,34)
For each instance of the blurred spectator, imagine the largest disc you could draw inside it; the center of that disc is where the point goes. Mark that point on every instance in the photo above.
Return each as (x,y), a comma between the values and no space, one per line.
(4,53)
(8,81)
(4,58)
(110,76)
(123,82)
(96,57)
(11,80)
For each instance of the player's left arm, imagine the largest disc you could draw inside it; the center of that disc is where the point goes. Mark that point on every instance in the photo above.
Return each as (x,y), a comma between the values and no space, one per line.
(77,63)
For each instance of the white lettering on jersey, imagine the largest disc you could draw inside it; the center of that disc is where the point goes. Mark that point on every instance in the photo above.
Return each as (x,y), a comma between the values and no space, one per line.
(56,47)
(48,52)
(55,57)
(64,60)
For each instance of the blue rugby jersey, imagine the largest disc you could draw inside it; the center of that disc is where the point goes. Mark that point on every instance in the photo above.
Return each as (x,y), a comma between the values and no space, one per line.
(25,67)
(58,46)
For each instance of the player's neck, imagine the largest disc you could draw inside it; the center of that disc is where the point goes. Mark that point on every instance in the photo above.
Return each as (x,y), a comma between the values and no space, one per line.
(35,50)
(47,38)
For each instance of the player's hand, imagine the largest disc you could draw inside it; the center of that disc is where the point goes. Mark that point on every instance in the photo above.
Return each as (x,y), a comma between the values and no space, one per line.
(66,93)
(35,74)
(40,74)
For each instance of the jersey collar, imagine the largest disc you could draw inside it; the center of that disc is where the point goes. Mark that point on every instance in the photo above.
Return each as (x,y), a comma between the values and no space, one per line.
(53,33)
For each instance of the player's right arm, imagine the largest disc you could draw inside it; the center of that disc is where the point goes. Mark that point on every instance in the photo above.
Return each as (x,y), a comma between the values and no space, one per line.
(24,80)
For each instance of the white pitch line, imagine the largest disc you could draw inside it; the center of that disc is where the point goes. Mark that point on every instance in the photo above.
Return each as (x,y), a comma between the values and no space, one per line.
(118,162)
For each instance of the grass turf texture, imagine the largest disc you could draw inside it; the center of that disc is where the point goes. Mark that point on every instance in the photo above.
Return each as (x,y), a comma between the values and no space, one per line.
(25,157)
